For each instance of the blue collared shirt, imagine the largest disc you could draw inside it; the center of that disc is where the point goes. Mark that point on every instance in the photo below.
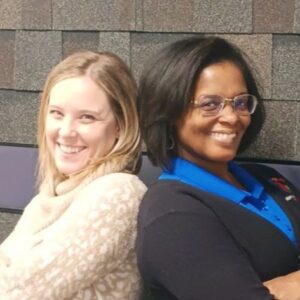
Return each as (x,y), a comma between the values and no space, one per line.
(253,197)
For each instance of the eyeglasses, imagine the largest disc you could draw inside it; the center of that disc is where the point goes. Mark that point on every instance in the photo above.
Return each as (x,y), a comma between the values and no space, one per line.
(211,105)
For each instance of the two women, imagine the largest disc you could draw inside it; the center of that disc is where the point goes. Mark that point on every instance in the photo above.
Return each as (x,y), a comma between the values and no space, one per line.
(209,228)
(76,238)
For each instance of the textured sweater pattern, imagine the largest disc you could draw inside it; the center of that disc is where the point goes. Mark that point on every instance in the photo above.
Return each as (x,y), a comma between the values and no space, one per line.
(78,245)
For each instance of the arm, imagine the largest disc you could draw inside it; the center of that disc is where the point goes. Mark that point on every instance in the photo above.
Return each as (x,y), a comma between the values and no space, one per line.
(193,256)
(91,239)
(285,287)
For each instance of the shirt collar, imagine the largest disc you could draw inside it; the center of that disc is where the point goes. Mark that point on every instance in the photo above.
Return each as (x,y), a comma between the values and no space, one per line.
(247,180)
(196,176)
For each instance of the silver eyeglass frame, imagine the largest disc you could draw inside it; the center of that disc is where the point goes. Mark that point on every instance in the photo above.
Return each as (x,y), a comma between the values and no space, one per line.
(232,101)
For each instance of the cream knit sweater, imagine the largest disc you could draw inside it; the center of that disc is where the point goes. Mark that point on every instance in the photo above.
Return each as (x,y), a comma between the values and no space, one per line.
(77,244)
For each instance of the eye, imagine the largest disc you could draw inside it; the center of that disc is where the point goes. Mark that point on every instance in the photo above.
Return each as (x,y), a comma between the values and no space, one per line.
(242,103)
(87,118)
(55,113)
(210,103)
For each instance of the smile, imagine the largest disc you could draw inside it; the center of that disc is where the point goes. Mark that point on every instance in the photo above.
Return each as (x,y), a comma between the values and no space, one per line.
(224,137)
(70,149)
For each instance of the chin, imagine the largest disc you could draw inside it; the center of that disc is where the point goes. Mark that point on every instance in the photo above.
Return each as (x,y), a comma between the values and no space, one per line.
(67,171)
(226,154)
(224,158)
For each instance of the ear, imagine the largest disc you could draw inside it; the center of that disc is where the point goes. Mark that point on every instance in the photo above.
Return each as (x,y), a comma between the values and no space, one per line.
(117,131)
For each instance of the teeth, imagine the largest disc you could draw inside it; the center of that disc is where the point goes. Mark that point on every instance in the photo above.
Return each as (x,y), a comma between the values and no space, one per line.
(223,137)
(70,149)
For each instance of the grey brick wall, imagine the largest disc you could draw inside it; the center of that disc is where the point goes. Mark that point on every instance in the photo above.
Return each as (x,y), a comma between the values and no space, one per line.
(35,35)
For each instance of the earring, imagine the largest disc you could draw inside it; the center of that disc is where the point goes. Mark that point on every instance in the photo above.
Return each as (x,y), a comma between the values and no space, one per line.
(171,143)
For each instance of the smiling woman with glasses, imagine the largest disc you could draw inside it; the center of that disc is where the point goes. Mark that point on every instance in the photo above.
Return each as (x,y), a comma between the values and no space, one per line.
(208,228)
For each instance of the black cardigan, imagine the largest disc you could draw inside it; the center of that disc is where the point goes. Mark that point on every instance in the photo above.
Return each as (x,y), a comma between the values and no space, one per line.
(195,245)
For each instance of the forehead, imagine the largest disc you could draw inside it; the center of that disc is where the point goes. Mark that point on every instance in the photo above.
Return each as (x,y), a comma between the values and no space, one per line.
(81,91)
(221,78)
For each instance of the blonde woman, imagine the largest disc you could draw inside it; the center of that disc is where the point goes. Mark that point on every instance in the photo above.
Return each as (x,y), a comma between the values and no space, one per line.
(75,239)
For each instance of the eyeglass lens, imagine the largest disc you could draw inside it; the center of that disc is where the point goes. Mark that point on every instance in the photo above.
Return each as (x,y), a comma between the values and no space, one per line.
(242,104)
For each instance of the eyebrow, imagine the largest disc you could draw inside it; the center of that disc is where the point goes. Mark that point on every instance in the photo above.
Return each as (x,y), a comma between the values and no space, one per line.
(218,95)
(53,106)
(82,111)
(86,111)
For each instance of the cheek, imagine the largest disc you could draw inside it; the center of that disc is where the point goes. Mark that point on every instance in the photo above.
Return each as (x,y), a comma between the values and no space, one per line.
(246,122)
(100,137)
(50,132)
(191,127)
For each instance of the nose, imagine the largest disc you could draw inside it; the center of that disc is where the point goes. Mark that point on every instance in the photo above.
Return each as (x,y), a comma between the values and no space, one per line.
(67,128)
(228,113)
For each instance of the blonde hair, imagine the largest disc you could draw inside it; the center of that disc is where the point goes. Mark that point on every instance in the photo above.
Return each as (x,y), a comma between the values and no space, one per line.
(112,75)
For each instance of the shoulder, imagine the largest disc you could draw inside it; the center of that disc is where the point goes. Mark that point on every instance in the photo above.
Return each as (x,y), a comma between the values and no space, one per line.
(175,192)
(114,189)
(259,170)
(268,176)
(169,197)
(117,181)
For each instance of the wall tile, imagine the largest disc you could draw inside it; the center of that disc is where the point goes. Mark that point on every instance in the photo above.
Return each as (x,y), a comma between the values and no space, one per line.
(79,41)
(93,14)
(10,14)
(18,117)
(168,15)
(198,16)
(36,53)
(7,60)
(222,16)
(286,70)
(259,50)
(297,17)
(116,42)
(277,139)
(144,45)
(36,14)
(7,224)
(273,16)
(139,21)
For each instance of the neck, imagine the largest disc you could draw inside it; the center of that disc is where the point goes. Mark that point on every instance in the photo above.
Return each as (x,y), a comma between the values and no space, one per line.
(218,168)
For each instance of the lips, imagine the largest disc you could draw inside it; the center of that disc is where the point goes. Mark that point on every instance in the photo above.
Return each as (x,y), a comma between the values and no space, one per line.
(70,149)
